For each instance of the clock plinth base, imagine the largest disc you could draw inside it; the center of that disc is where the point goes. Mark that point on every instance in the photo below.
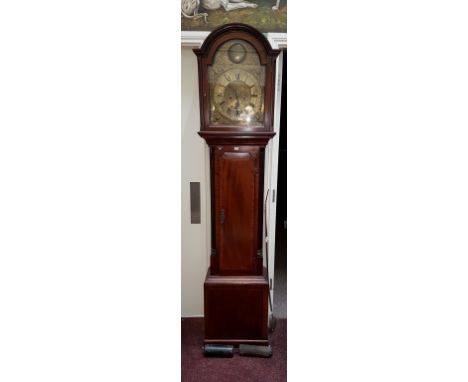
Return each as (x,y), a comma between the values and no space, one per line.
(236,309)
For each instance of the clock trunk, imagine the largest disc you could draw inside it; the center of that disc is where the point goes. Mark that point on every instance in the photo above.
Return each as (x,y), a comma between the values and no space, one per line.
(236,207)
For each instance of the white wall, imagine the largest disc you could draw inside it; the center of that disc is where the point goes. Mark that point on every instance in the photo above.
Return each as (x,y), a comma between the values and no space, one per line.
(195,237)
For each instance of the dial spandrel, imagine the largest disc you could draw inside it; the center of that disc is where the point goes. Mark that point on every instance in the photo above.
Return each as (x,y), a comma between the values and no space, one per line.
(237,83)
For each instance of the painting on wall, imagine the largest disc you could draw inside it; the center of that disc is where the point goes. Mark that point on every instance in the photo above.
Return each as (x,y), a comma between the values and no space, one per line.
(206,15)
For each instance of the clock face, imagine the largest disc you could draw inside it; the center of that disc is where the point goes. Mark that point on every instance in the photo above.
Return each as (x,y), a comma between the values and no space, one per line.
(237,95)
(237,85)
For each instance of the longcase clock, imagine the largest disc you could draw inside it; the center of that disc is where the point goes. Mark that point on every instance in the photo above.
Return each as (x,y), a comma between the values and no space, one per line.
(236,67)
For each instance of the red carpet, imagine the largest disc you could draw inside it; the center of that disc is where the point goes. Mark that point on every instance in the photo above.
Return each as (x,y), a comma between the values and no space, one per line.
(197,368)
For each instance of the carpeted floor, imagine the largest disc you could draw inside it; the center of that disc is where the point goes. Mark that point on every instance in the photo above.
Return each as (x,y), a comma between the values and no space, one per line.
(197,368)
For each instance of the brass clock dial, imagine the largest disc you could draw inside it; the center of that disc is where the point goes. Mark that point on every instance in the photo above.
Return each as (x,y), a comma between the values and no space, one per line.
(237,83)
(237,95)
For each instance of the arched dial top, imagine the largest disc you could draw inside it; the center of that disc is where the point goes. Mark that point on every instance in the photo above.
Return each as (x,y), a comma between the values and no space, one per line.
(237,85)
(237,79)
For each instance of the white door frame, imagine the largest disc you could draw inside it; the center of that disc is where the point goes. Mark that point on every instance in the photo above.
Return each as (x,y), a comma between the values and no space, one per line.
(277,41)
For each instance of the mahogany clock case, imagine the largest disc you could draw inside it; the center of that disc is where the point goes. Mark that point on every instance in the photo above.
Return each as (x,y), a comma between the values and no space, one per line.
(236,285)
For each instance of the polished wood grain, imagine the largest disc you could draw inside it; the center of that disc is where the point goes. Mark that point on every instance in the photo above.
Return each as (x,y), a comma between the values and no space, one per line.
(236,309)
(232,138)
(237,184)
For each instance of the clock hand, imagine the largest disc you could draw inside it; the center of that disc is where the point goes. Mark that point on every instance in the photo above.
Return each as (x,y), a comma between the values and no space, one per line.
(237,104)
